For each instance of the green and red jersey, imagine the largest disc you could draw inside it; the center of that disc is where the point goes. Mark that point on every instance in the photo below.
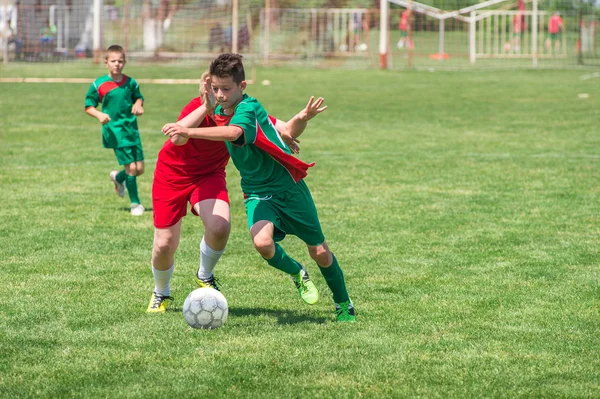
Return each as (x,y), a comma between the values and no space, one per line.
(265,162)
(117,99)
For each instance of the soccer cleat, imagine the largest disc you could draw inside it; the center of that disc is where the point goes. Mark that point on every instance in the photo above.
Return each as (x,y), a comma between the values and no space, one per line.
(306,288)
(119,187)
(211,282)
(137,209)
(158,303)
(344,312)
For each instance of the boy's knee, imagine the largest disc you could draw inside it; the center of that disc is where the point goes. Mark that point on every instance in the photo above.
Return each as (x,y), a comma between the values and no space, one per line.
(165,245)
(218,228)
(321,255)
(264,246)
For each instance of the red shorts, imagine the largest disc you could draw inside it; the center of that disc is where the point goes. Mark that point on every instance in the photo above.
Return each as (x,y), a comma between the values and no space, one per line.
(169,199)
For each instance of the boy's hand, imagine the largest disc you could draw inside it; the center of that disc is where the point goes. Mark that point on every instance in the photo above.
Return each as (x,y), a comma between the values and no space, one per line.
(103,118)
(291,142)
(208,97)
(179,140)
(173,129)
(312,109)
(137,109)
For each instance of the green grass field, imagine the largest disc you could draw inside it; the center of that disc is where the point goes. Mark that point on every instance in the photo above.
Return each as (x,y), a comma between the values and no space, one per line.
(464,208)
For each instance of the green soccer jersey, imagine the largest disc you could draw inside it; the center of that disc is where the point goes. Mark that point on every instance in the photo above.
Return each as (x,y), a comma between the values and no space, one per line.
(265,162)
(117,99)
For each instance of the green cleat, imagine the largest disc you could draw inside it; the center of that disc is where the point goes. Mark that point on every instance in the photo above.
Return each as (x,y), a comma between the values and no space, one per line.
(158,303)
(306,288)
(211,282)
(344,312)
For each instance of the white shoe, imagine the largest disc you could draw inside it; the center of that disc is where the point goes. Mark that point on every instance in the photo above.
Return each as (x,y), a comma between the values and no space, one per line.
(137,209)
(119,187)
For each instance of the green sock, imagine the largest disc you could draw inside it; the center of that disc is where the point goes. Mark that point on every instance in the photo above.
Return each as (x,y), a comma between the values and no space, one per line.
(132,189)
(334,276)
(282,261)
(121,176)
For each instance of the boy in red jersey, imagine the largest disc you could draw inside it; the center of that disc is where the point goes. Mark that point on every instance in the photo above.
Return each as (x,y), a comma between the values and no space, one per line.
(122,102)
(191,171)
(404,27)
(555,27)
(278,201)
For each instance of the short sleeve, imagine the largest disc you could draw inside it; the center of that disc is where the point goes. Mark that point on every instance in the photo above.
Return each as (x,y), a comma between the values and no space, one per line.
(245,118)
(135,90)
(92,98)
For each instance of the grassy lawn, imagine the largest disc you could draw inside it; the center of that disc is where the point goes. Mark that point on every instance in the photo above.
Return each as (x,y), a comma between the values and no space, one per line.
(464,208)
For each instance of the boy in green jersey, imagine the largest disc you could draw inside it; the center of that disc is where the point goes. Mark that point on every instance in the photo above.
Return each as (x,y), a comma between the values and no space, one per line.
(278,201)
(122,102)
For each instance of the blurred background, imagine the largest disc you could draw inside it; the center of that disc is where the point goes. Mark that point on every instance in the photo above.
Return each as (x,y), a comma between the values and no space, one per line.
(393,34)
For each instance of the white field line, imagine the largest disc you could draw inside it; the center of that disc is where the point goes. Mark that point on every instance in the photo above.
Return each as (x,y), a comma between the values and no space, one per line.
(69,165)
(590,76)
(88,81)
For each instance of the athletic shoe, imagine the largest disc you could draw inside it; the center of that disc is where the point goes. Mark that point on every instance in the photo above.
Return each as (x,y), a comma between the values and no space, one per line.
(137,209)
(119,187)
(158,303)
(211,282)
(344,312)
(306,288)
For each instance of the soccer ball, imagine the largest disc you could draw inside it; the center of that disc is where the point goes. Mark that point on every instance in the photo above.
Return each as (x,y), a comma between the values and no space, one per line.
(205,308)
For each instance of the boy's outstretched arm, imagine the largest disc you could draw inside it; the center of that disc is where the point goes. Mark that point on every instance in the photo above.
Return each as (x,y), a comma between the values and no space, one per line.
(292,129)
(193,119)
(218,133)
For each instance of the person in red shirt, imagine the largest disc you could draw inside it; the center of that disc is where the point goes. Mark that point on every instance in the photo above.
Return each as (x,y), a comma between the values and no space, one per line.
(518,27)
(404,27)
(193,171)
(555,27)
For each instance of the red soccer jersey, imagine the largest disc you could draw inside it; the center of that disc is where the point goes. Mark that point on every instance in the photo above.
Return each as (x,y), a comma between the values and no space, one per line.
(554,23)
(183,164)
(404,20)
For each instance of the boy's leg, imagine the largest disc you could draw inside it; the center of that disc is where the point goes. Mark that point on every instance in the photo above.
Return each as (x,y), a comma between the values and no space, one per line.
(165,244)
(331,271)
(215,215)
(134,169)
(262,237)
(118,178)
(334,276)
(131,183)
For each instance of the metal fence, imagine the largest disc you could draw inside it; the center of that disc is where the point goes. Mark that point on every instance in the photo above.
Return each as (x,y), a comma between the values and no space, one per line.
(70,31)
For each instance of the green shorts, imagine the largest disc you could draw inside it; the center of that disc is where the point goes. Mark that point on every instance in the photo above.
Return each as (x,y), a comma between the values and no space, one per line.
(127,155)
(292,212)
(403,33)
(554,36)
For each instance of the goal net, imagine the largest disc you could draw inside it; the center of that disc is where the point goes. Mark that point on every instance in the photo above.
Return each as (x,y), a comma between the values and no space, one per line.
(310,33)
(493,33)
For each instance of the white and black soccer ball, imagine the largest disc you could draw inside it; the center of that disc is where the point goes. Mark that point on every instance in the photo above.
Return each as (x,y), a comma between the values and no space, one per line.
(205,308)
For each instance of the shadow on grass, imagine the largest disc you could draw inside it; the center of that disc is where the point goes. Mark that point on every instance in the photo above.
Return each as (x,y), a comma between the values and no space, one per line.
(282,316)
(128,209)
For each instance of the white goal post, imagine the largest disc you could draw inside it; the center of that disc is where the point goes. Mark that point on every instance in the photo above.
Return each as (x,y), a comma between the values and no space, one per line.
(486,29)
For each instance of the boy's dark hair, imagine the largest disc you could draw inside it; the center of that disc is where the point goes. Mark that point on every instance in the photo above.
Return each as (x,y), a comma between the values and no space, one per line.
(227,65)
(115,48)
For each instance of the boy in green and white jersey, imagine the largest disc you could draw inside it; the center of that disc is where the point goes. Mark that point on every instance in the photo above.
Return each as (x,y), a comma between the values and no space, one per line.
(122,102)
(277,200)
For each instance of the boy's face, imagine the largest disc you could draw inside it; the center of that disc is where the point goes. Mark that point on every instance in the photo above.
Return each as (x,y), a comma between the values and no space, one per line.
(226,91)
(115,63)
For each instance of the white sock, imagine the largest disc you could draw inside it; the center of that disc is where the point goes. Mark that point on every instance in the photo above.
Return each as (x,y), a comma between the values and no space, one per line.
(208,260)
(162,279)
